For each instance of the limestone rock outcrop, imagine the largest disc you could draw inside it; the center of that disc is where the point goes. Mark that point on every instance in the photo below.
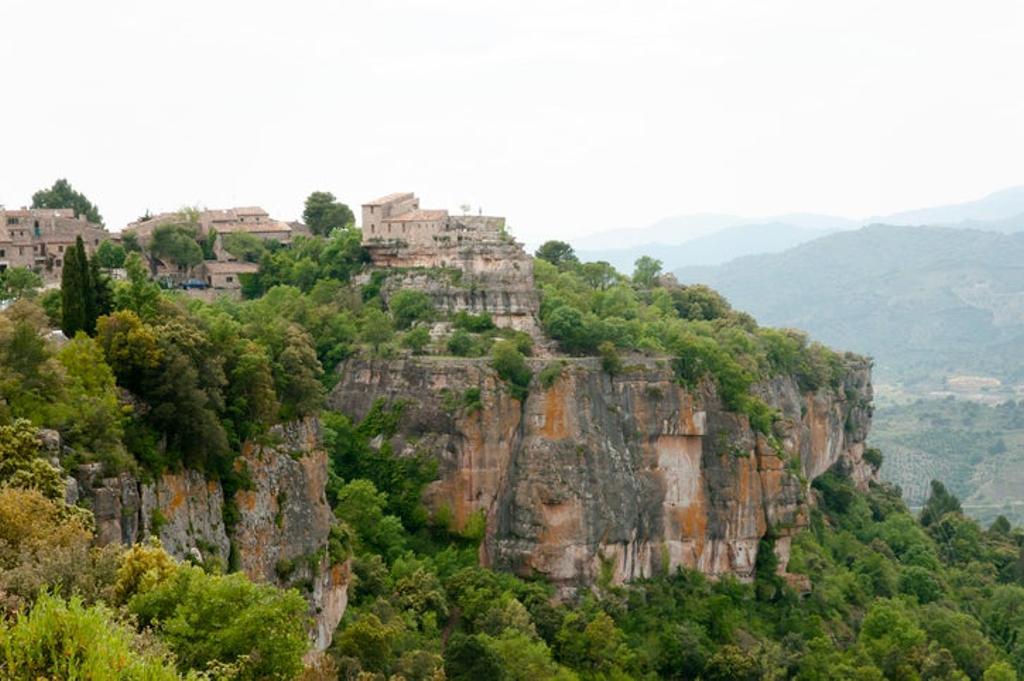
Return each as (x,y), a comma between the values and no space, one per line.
(631,474)
(282,528)
(284,522)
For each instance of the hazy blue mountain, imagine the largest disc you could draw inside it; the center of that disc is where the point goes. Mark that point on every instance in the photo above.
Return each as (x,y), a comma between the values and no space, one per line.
(670,230)
(679,229)
(1000,205)
(1011,224)
(714,238)
(926,302)
(711,249)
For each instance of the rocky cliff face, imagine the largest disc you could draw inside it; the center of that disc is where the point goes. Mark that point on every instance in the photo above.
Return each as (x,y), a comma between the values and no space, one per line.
(281,534)
(474,267)
(630,475)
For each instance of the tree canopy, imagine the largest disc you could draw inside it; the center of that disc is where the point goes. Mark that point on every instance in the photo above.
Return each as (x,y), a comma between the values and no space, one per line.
(323,213)
(62,195)
(558,253)
(19,282)
(176,243)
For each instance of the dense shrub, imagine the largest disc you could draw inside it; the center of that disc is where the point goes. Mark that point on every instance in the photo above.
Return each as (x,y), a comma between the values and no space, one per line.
(66,640)
(511,367)
(208,619)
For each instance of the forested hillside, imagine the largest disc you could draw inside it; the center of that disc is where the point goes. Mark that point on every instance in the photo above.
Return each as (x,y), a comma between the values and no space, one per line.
(927,303)
(154,381)
(976,449)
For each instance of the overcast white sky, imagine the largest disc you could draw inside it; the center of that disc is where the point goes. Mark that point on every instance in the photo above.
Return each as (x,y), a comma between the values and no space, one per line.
(567,117)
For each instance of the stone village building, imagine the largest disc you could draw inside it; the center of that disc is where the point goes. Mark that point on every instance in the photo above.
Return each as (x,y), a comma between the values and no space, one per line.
(37,238)
(464,262)
(223,273)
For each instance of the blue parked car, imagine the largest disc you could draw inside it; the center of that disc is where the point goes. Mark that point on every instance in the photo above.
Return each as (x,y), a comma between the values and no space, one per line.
(194,283)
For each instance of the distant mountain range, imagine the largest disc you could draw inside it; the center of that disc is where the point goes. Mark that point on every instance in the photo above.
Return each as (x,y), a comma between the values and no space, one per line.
(997,206)
(926,302)
(712,249)
(712,239)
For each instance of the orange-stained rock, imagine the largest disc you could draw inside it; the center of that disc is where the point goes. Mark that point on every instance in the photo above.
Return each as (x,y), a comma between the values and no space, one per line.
(633,471)
(282,534)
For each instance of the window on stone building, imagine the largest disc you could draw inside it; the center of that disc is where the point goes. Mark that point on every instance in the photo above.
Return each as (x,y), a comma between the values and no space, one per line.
(229,279)
(12,221)
(2,253)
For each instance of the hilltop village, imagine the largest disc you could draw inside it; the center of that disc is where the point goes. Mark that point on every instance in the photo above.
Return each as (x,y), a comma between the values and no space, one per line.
(397,234)
(268,449)
(36,238)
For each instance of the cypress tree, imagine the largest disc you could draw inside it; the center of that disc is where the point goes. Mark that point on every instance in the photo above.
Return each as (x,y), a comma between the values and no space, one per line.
(74,281)
(81,297)
(99,297)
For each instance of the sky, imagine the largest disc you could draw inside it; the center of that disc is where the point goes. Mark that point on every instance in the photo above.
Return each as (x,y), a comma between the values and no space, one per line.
(568,117)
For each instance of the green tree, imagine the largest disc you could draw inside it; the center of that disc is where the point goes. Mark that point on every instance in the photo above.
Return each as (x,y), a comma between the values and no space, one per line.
(370,641)
(463,344)
(892,639)
(103,293)
(138,294)
(699,302)
(258,629)
(468,658)
(31,381)
(571,328)
(176,243)
(19,282)
(730,663)
(408,306)
(246,247)
(21,463)
(297,373)
(92,424)
(50,301)
(416,339)
(610,360)
(66,640)
(558,253)
(376,328)
(646,271)
(323,213)
(939,503)
(362,507)
(599,275)
(110,255)
(130,241)
(62,195)
(999,671)
(511,367)
(78,292)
